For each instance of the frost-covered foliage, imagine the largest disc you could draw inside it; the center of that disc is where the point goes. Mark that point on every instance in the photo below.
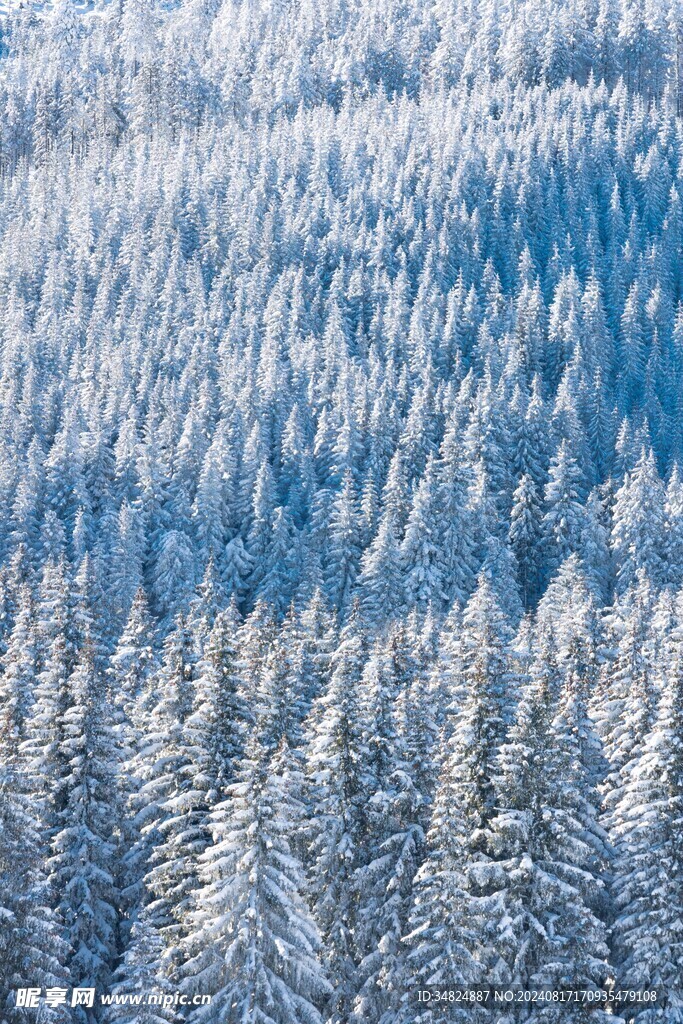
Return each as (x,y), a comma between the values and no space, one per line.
(341,517)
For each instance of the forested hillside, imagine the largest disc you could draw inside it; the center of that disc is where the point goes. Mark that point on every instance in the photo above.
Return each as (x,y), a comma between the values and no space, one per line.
(341,507)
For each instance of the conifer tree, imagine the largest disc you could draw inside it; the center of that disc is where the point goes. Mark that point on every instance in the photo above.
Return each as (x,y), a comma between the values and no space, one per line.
(344,546)
(647,874)
(83,848)
(337,774)
(131,678)
(563,519)
(253,944)
(525,536)
(384,882)
(638,518)
(160,855)
(31,941)
(543,841)
(422,560)
(18,681)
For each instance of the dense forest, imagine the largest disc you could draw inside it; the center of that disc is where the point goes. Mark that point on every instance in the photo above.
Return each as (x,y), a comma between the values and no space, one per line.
(341,508)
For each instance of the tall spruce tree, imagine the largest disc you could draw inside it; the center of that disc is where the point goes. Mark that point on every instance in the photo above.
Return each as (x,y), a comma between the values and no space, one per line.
(253,944)
(543,841)
(647,874)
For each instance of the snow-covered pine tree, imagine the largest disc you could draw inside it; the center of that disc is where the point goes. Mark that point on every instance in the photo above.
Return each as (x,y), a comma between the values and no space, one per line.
(564,509)
(161,856)
(645,831)
(18,678)
(638,519)
(83,847)
(543,841)
(131,682)
(337,776)
(448,919)
(395,839)
(33,950)
(42,753)
(253,944)
(627,703)
(525,536)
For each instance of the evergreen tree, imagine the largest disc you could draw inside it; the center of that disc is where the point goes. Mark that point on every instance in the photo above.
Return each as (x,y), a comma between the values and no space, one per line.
(525,536)
(422,559)
(17,683)
(344,546)
(395,837)
(379,580)
(337,774)
(544,840)
(253,944)
(638,519)
(161,855)
(83,848)
(132,675)
(563,519)
(33,949)
(647,877)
